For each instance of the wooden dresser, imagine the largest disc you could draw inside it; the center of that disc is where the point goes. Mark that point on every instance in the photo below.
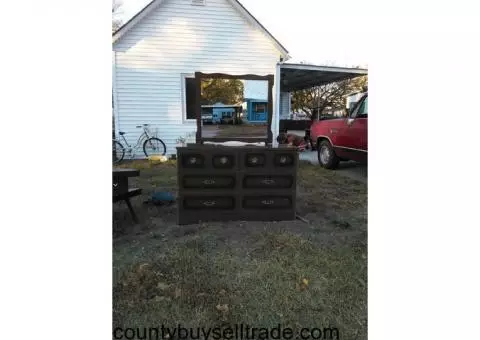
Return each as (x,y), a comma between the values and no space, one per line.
(246,183)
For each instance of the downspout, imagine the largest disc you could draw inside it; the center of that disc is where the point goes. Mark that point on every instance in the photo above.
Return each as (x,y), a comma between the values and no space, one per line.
(114,93)
(276,112)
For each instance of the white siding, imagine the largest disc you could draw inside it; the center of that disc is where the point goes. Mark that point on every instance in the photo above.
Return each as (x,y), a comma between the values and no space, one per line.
(175,39)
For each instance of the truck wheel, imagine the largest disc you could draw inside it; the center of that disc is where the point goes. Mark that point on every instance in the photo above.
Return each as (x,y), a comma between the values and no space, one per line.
(326,156)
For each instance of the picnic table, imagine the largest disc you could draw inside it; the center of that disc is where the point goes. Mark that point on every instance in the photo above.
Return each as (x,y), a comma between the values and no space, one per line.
(121,190)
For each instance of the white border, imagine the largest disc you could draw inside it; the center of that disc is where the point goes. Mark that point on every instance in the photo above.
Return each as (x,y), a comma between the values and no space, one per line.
(56,253)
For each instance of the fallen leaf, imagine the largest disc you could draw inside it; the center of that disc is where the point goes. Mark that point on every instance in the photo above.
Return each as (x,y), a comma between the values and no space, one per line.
(222,308)
(305,282)
(143,266)
(222,292)
(161,298)
(162,286)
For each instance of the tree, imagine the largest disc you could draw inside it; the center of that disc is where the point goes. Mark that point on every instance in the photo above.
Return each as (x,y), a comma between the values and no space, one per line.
(317,99)
(226,91)
(116,22)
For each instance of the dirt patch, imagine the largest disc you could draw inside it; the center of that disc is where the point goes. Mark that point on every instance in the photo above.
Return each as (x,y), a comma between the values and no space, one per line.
(242,130)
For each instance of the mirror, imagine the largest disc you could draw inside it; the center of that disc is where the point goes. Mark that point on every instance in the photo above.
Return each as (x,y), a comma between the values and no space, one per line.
(234,108)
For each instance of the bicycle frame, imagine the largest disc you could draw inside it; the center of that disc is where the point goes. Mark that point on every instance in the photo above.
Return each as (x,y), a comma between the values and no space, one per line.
(141,139)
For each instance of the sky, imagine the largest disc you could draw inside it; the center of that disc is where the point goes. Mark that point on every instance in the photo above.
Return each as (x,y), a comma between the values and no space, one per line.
(325,32)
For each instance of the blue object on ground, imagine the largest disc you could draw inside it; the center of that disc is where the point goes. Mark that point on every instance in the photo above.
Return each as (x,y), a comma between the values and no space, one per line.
(162,197)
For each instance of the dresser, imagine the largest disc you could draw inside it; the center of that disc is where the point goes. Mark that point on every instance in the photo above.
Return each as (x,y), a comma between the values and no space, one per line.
(246,183)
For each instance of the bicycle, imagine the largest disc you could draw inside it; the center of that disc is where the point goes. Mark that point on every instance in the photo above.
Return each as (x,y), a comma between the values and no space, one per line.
(151,145)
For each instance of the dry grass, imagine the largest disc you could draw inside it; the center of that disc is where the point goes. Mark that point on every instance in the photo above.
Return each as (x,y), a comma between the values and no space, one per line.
(220,274)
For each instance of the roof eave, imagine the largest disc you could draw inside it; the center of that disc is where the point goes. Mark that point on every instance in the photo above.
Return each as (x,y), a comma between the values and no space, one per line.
(277,43)
(151,6)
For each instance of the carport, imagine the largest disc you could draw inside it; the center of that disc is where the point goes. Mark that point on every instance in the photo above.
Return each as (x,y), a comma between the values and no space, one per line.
(295,77)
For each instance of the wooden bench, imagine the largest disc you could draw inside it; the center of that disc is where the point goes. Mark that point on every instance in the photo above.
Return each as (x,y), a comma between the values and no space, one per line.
(121,191)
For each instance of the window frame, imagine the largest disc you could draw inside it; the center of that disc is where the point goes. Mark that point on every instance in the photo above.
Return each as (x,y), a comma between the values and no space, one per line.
(183,80)
(270,78)
(256,105)
(354,114)
(362,106)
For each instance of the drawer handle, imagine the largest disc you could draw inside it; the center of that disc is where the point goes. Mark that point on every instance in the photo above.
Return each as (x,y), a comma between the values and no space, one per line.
(265,202)
(209,203)
(208,181)
(268,181)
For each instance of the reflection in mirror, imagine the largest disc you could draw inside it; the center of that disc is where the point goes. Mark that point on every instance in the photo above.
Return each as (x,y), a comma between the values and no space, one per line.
(234,108)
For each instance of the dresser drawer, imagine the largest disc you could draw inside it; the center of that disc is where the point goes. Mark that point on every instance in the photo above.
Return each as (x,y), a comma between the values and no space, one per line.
(267,202)
(223,161)
(209,202)
(267,182)
(254,160)
(208,182)
(192,160)
(284,160)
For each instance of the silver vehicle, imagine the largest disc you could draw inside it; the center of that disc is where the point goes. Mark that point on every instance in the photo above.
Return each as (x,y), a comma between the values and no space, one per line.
(207,118)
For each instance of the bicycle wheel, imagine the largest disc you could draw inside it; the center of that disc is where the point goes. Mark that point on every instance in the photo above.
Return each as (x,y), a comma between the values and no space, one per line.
(118,152)
(154,147)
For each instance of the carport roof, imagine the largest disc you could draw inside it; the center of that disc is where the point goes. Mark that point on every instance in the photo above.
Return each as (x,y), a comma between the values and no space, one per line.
(303,76)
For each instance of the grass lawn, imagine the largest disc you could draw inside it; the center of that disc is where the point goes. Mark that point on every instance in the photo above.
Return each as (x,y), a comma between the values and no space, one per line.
(262,274)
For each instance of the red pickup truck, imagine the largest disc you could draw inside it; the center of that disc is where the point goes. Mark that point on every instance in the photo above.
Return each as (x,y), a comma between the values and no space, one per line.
(342,139)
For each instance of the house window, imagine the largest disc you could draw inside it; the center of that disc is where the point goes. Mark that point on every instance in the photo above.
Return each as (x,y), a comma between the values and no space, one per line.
(259,108)
(189,97)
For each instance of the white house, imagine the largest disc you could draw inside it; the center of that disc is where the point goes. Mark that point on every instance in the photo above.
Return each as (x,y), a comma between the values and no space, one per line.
(156,54)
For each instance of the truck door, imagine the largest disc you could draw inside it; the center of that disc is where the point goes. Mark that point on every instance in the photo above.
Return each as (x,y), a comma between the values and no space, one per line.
(355,133)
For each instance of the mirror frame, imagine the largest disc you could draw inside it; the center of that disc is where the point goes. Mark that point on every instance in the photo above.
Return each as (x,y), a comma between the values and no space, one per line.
(198,107)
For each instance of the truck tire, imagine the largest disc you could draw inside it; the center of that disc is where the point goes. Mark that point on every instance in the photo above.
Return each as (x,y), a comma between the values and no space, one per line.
(326,155)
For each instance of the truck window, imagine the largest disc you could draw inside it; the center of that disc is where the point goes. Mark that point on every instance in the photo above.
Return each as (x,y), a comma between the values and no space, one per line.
(363,109)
